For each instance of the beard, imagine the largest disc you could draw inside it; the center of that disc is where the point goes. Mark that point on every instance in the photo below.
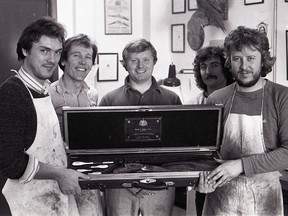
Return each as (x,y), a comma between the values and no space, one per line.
(247,83)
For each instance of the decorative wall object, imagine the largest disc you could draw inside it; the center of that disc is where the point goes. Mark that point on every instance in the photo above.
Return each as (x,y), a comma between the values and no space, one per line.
(118,17)
(178,38)
(108,67)
(287,54)
(263,28)
(209,12)
(250,2)
(192,5)
(178,6)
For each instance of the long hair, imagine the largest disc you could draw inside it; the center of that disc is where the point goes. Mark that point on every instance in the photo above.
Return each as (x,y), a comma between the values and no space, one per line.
(253,39)
(205,54)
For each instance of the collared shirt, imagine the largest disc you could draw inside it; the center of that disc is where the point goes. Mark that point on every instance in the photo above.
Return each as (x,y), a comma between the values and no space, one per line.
(61,96)
(198,99)
(128,96)
(33,84)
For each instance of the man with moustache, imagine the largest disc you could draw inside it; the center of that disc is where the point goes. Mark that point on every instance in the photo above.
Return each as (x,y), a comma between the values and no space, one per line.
(140,88)
(210,73)
(255,140)
(32,153)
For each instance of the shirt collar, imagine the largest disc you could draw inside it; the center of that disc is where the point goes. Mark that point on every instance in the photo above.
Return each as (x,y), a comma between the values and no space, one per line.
(32,83)
(154,86)
(61,89)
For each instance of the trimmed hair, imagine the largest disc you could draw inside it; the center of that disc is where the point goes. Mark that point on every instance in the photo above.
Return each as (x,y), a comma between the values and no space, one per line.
(78,40)
(252,38)
(137,46)
(206,54)
(32,33)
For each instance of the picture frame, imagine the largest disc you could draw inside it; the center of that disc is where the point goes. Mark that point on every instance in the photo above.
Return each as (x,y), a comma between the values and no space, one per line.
(178,6)
(118,17)
(107,67)
(286,32)
(178,38)
(192,5)
(251,2)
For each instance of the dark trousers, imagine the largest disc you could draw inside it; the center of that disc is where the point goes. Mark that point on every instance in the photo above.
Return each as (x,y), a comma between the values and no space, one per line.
(199,202)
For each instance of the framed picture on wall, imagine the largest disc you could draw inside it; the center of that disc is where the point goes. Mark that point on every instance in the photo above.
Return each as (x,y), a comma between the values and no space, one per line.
(192,5)
(178,38)
(250,2)
(118,17)
(108,67)
(178,6)
(287,54)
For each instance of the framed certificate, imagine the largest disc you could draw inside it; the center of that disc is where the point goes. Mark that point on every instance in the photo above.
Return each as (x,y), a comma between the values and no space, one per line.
(178,6)
(108,67)
(178,38)
(118,17)
(250,2)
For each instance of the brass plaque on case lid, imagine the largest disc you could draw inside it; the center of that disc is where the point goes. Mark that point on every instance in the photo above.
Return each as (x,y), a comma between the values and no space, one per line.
(143,129)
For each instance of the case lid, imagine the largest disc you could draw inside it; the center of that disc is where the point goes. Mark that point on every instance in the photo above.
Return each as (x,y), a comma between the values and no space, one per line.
(149,128)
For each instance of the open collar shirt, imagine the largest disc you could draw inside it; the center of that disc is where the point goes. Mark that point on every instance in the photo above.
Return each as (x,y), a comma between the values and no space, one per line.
(61,97)
(126,95)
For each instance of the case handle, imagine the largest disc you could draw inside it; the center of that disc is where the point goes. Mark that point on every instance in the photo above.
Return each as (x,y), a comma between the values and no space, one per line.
(149,184)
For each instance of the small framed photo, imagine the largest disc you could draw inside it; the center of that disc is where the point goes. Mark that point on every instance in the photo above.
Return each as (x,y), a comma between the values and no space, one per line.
(178,38)
(192,5)
(287,54)
(250,2)
(108,67)
(178,6)
(118,17)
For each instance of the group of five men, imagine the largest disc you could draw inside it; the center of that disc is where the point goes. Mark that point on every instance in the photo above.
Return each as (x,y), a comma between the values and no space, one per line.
(32,152)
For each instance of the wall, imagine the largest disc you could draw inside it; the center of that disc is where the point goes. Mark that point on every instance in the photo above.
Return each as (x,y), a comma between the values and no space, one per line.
(153,19)
(282,27)
(87,16)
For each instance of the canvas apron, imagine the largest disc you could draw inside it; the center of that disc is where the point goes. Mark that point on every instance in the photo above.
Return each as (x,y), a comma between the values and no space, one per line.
(259,194)
(42,197)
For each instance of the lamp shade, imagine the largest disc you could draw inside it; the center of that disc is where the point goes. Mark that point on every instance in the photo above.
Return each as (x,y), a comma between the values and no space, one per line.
(172,80)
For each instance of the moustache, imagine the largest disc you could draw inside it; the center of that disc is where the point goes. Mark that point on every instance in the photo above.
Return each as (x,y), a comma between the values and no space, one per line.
(208,77)
(244,71)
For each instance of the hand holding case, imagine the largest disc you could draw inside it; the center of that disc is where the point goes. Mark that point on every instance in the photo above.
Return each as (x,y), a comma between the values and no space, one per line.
(152,147)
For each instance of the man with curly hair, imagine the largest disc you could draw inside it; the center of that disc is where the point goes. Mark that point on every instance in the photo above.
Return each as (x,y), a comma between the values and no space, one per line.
(210,73)
(255,140)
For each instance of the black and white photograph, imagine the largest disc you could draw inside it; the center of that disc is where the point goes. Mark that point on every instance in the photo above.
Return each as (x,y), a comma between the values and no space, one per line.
(143,107)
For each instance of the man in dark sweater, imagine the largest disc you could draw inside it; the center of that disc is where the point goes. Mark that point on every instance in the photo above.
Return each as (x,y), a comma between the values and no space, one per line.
(32,154)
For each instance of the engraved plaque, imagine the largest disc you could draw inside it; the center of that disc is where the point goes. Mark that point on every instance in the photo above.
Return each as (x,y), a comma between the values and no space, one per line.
(143,129)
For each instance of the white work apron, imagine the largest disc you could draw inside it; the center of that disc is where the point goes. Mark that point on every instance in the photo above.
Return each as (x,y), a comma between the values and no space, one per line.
(42,197)
(259,194)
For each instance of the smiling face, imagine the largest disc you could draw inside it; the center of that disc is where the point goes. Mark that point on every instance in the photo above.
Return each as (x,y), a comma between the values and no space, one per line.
(140,66)
(212,73)
(79,62)
(43,57)
(246,66)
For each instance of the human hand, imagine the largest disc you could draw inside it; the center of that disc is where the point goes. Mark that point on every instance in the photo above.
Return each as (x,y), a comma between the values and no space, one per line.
(68,181)
(203,185)
(225,172)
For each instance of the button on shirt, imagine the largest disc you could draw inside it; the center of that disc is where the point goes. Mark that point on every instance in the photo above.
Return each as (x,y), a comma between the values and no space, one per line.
(61,96)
